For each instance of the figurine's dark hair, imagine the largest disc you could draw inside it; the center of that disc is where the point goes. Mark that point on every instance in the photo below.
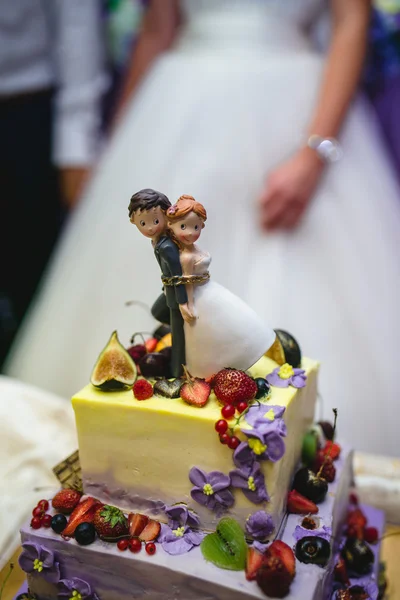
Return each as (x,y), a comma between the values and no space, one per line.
(147,199)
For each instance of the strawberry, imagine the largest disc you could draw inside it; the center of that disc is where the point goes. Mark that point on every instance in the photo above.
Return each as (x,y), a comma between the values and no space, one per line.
(356,517)
(137,523)
(254,561)
(150,532)
(83,513)
(110,523)
(299,504)
(66,500)
(355,531)
(277,570)
(151,344)
(195,391)
(371,535)
(142,389)
(340,572)
(332,449)
(232,386)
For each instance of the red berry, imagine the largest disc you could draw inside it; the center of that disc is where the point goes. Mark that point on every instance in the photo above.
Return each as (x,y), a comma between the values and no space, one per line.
(241,407)
(123,544)
(150,548)
(36,523)
(224,438)
(43,504)
(221,426)
(233,442)
(38,512)
(353,498)
(135,545)
(46,520)
(228,411)
(142,389)
(371,535)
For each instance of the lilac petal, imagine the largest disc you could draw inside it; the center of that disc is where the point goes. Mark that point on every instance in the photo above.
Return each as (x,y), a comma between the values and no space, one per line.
(274,379)
(179,546)
(194,537)
(82,587)
(175,512)
(225,498)
(256,411)
(164,532)
(243,455)
(197,477)
(275,447)
(52,575)
(192,520)
(298,371)
(257,497)
(25,563)
(238,479)
(31,550)
(199,496)
(47,557)
(260,547)
(218,481)
(298,381)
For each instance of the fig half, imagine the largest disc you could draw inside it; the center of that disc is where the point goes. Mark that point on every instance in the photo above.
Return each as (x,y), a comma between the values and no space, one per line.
(114,369)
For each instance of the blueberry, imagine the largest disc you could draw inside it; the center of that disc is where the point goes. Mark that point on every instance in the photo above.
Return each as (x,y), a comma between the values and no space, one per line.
(59,523)
(263,387)
(313,549)
(85,534)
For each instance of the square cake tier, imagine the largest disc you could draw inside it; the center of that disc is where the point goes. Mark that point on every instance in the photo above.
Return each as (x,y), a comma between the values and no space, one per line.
(137,454)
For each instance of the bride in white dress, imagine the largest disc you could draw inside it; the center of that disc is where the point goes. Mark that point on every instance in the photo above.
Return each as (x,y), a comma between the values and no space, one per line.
(232,95)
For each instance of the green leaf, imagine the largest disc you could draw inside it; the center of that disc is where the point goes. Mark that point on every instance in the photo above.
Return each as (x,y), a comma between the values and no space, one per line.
(226,548)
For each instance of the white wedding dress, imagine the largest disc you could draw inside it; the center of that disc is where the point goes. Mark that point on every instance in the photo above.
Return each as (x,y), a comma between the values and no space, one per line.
(225,106)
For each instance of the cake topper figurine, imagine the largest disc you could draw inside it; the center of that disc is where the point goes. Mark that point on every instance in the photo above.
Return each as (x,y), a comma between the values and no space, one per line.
(147,210)
(224,331)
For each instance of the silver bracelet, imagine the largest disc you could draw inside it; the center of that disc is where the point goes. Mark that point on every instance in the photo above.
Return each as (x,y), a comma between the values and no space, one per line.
(328,149)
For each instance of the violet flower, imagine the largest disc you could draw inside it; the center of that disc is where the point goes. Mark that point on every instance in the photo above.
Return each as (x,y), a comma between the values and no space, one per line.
(75,588)
(265,444)
(263,413)
(250,480)
(179,514)
(286,375)
(211,489)
(259,525)
(38,560)
(179,540)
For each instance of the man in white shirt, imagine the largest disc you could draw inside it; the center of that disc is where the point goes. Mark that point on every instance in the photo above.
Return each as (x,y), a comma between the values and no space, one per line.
(52,79)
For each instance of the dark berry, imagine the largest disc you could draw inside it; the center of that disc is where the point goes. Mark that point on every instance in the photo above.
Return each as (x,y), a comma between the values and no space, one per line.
(36,523)
(241,407)
(221,426)
(59,523)
(313,549)
(85,534)
(327,429)
(122,544)
(358,557)
(150,548)
(263,387)
(135,545)
(224,438)
(46,521)
(233,442)
(309,485)
(43,504)
(228,411)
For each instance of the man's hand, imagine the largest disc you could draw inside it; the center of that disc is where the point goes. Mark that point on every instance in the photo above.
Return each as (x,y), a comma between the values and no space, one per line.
(187,314)
(73,181)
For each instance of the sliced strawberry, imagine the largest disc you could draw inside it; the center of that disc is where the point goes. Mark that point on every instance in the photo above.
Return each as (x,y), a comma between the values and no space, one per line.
(356,517)
(66,500)
(195,392)
(332,449)
(83,513)
(253,563)
(150,532)
(284,552)
(137,523)
(299,504)
(340,572)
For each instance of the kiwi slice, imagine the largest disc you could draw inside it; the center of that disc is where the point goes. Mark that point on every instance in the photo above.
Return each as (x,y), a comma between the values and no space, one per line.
(226,548)
(114,368)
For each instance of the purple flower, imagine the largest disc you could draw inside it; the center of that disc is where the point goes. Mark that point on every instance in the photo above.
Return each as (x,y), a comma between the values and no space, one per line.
(250,480)
(259,525)
(179,514)
(265,444)
(179,540)
(83,591)
(211,489)
(286,375)
(322,532)
(263,414)
(38,560)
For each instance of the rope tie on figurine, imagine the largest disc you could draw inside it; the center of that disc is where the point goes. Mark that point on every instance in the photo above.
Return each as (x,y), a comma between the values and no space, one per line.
(185,279)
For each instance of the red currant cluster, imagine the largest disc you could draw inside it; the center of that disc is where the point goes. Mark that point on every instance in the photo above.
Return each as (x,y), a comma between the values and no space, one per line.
(221,427)
(39,516)
(135,546)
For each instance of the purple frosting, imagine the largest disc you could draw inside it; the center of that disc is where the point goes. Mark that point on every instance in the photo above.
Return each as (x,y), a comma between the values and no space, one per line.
(297,379)
(250,480)
(259,525)
(211,489)
(179,540)
(323,532)
(38,560)
(256,415)
(66,587)
(179,514)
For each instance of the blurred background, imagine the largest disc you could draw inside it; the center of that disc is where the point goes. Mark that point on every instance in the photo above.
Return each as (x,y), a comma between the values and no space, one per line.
(221,99)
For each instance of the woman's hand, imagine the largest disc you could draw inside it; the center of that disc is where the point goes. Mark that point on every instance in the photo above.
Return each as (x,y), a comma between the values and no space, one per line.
(187,313)
(289,189)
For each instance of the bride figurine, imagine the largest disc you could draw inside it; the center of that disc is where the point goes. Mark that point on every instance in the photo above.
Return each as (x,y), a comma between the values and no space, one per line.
(222,330)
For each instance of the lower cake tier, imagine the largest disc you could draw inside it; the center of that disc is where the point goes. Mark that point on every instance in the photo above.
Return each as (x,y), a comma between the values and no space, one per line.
(63,568)
(145,455)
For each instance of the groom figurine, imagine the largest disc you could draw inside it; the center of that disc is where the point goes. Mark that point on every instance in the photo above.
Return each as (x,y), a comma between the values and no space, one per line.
(147,210)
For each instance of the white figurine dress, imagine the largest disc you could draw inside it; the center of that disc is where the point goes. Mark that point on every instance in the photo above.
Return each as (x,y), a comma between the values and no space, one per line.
(226,333)
(227,104)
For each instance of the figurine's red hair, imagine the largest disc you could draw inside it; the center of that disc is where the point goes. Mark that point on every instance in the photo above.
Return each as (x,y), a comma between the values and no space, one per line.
(184,205)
